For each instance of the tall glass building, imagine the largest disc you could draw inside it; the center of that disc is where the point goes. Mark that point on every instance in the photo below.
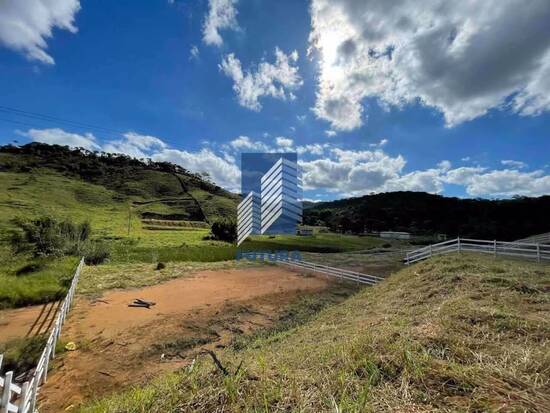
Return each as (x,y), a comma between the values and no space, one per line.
(271,187)
(281,198)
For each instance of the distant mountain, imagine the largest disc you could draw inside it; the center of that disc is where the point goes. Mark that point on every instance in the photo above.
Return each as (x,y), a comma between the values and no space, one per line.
(424,213)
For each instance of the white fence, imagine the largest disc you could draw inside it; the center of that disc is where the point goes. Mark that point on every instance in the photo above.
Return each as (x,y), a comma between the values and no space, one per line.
(535,251)
(537,239)
(22,399)
(335,272)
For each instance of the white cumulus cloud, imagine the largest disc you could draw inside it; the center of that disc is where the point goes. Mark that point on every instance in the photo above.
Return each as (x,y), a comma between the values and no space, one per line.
(57,136)
(222,15)
(462,58)
(277,80)
(514,164)
(25,25)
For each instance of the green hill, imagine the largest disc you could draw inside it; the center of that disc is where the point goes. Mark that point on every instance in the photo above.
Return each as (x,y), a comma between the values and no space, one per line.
(454,333)
(73,181)
(422,213)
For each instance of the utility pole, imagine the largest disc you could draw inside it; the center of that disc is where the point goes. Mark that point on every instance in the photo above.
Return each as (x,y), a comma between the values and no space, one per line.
(129,216)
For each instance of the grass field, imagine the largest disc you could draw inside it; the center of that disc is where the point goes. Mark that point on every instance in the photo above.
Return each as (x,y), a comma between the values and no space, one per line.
(25,281)
(453,333)
(313,243)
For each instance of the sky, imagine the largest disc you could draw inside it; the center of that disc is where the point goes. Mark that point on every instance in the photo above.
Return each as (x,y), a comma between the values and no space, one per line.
(452,98)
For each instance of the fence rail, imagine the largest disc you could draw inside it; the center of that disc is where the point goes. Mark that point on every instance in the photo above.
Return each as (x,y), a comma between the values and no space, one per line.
(535,251)
(22,399)
(332,271)
(537,239)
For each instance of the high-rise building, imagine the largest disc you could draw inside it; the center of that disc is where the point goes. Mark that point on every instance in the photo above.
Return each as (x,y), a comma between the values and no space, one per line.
(281,198)
(248,216)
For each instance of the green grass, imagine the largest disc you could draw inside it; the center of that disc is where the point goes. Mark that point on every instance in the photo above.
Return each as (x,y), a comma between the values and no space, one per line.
(25,281)
(454,333)
(313,243)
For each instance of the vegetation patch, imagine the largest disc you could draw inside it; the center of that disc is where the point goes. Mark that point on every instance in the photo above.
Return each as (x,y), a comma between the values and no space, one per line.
(322,243)
(26,280)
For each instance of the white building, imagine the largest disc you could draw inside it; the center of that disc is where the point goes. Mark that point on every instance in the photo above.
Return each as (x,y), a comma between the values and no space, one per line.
(395,235)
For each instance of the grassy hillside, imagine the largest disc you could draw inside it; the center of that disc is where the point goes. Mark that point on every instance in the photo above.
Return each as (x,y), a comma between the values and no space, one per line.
(117,194)
(424,213)
(455,333)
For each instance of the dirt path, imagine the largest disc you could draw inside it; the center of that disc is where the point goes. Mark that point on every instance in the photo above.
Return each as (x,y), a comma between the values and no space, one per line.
(119,346)
(27,321)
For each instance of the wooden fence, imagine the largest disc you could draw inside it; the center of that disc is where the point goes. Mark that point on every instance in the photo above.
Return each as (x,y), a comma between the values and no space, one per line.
(534,251)
(332,271)
(22,399)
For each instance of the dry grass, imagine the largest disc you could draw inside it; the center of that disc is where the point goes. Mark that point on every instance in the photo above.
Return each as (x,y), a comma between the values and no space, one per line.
(95,279)
(455,333)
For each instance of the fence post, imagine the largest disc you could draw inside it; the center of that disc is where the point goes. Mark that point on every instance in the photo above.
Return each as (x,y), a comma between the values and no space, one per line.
(46,362)
(23,397)
(7,391)
(458,240)
(34,392)
(538,252)
(495,247)
(431,253)
(407,259)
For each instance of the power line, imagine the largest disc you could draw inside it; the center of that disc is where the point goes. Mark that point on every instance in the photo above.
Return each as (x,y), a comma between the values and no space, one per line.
(55,119)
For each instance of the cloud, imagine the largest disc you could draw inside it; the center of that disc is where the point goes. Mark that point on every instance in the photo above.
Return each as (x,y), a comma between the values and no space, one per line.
(244,143)
(135,145)
(26,25)
(514,164)
(284,142)
(194,53)
(222,171)
(56,136)
(330,133)
(352,172)
(380,144)
(312,149)
(461,58)
(276,80)
(222,15)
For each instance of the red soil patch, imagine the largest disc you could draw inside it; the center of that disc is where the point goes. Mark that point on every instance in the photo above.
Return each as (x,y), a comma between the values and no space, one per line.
(120,345)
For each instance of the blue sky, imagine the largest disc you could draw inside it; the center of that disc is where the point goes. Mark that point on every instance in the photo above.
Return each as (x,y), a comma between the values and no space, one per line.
(449,99)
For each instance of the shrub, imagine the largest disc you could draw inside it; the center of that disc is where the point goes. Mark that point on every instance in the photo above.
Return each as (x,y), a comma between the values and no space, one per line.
(160,266)
(224,230)
(96,253)
(46,236)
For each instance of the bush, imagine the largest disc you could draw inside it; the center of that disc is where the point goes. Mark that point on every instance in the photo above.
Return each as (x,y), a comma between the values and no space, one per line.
(46,236)
(224,230)
(96,253)
(160,266)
